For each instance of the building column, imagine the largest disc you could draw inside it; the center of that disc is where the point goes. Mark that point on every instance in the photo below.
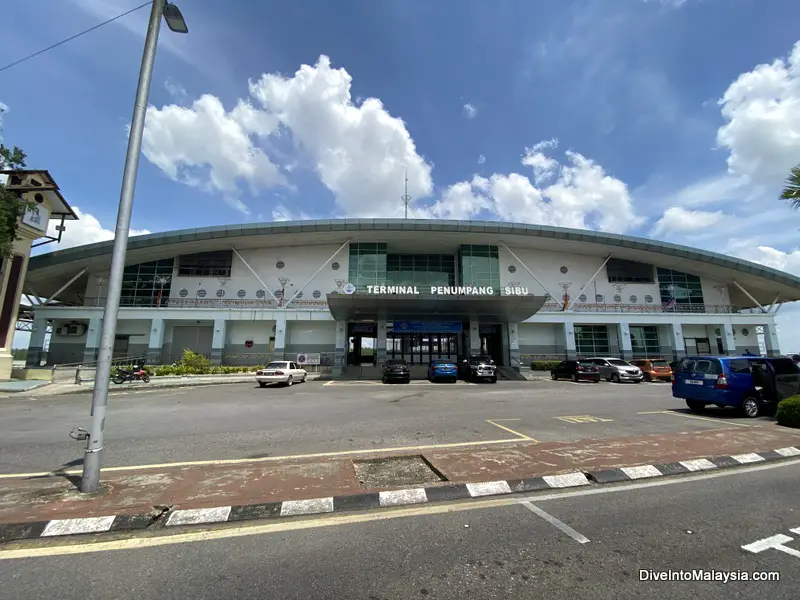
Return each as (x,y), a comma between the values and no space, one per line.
(474,338)
(625,340)
(771,339)
(613,333)
(728,340)
(380,344)
(91,349)
(36,343)
(678,343)
(569,340)
(340,355)
(513,346)
(218,341)
(155,342)
(280,337)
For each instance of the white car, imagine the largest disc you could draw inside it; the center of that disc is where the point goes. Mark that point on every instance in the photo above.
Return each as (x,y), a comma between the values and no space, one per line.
(281,371)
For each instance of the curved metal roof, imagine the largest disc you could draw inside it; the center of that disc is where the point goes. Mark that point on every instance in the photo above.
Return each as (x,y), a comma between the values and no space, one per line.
(62,257)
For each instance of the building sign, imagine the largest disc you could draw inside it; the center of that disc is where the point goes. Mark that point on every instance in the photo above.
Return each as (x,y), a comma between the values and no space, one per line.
(413,290)
(308,358)
(36,217)
(362,328)
(426,327)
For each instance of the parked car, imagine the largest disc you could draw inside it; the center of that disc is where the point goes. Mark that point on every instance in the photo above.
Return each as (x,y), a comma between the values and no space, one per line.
(577,370)
(281,371)
(654,369)
(396,369)
(750,383)
(617,370)
(442,369)
(479,368)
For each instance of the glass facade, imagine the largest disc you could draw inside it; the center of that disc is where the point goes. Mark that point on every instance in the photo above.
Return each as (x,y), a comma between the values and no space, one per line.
(206,264)
(423,270)
(591,340)
(146,284)
(479,266)
(644,341)
(686,290)
(367,265)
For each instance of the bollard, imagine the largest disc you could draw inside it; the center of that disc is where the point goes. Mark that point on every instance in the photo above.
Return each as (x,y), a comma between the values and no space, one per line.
(78,375)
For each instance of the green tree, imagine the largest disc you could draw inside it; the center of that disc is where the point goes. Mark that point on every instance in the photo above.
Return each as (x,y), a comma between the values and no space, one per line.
(791,190)
(12,207)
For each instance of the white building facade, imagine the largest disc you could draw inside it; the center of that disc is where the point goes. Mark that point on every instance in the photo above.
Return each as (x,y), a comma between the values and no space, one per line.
(360,291)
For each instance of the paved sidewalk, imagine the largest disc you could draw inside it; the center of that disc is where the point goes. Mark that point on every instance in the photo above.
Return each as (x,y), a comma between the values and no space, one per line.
(328,482)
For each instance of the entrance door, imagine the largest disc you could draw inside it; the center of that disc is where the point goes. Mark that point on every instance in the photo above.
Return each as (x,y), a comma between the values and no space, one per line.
(361,348)
(491,340)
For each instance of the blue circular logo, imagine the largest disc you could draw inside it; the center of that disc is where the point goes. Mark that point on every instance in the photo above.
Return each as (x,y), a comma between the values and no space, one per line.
(349,288)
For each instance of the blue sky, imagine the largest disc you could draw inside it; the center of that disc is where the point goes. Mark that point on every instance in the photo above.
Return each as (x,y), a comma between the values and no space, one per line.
(648,117)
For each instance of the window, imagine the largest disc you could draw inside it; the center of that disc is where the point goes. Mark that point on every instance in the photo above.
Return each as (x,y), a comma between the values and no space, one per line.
(591,340)
(628,271)
(367,265)
(206,264)
(740,366)
(423,270)
(479,266)
(241,293)
(644,340)
(686,365)
(146,284)
(784,366)
(317,294)
(711,367)
(682,290)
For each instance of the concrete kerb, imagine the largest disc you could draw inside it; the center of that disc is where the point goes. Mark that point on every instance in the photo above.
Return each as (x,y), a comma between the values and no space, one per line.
(168,517)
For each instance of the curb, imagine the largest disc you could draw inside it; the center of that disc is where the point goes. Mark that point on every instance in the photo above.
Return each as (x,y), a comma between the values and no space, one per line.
(373,500)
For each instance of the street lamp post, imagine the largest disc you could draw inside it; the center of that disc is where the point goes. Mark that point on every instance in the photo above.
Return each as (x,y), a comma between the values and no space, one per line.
(92,460)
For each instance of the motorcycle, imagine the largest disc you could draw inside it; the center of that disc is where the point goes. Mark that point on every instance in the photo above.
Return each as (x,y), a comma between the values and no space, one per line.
(136,374)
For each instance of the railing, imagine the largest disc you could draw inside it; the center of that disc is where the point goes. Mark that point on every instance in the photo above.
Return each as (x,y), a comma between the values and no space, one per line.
(644,308)
(227,303)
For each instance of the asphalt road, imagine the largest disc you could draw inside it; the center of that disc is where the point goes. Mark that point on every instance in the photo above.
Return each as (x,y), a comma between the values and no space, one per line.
(245,421)
(499,552)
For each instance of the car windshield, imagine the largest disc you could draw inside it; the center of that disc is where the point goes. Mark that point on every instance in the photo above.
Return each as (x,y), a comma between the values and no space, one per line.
(617,362)
(586,363)
(442,361)
(277,365)
(659,363)
(480,359)
(395,363)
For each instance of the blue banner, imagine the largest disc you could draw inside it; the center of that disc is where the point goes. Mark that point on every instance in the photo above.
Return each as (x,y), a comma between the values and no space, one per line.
(427,326)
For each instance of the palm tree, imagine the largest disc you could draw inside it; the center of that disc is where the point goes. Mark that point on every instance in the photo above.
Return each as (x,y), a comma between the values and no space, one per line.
(791,191)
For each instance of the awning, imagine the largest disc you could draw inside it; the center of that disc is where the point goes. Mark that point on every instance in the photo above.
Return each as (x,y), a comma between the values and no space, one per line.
(489,309)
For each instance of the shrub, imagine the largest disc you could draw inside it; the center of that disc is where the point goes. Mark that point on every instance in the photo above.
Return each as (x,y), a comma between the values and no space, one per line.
(788,412)
(194,362)
(544,365)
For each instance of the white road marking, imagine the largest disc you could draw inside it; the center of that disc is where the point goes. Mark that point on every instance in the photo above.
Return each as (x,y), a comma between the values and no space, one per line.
(307,507)
(789,451)
(566,480)
(72,526)
(698,464)
(401,497)
(491,488)
(194,516)
(747,458)
(795,530)
(775,542)
(641,472)
(581,539)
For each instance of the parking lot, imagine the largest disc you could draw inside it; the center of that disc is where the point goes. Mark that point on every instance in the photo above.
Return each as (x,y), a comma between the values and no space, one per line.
(243,421)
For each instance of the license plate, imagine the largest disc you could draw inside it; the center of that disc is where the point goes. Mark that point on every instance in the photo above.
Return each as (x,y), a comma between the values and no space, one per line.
(694,382)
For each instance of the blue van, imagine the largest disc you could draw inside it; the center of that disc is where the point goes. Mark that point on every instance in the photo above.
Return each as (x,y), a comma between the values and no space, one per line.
(749,383)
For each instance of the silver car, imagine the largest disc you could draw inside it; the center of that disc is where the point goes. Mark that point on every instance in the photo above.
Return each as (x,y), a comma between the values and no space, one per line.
(618,370)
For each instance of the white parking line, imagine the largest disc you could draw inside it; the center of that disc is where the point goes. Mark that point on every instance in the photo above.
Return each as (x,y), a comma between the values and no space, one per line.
(580,538)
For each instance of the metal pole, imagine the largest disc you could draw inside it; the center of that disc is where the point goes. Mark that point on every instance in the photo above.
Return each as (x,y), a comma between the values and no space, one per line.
(93,454)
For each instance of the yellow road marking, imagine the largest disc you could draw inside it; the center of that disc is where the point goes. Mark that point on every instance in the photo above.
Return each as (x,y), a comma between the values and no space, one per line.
(583,419)
(508,429)
(685,416)
(238,461)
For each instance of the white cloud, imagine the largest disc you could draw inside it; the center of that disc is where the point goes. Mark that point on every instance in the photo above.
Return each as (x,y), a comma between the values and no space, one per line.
(470,110)
(762,110)
(86,230)
(283,213)
(481,159)
(772,257)
(677,219)
(176,91)
(581,195)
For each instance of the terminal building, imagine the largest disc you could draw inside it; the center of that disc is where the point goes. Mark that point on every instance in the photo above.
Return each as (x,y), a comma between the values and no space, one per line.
(351,293)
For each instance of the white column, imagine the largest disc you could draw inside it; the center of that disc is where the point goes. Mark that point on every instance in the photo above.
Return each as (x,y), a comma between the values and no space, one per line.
(625,340)
(218,341)
(381,343)
(771,339)
(92,340)
(474,337)
(280,336)
(569,340)
(728,341)
(678,343)
(155,342)
(341,348)
(36,343)
(513,345)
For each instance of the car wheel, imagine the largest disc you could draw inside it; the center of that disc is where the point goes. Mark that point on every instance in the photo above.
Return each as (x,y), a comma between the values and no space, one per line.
(289,381)
(262,383)
(493,380)
(575,379)
(615,378)
(303,380)
(383,379)
(553,376)
(637,381)
(596,380)
(751,407)
(648,378)
(695,405)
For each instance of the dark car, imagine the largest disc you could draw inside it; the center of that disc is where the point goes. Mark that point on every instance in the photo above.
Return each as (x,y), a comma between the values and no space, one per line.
(577,370)
(396,370)
(479,368)
(441,368)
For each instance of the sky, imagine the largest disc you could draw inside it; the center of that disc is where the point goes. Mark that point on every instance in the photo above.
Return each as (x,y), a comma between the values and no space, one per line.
(676,120)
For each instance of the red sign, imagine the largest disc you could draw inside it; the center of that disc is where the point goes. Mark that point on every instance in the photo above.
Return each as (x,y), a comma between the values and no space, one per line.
(248,344)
